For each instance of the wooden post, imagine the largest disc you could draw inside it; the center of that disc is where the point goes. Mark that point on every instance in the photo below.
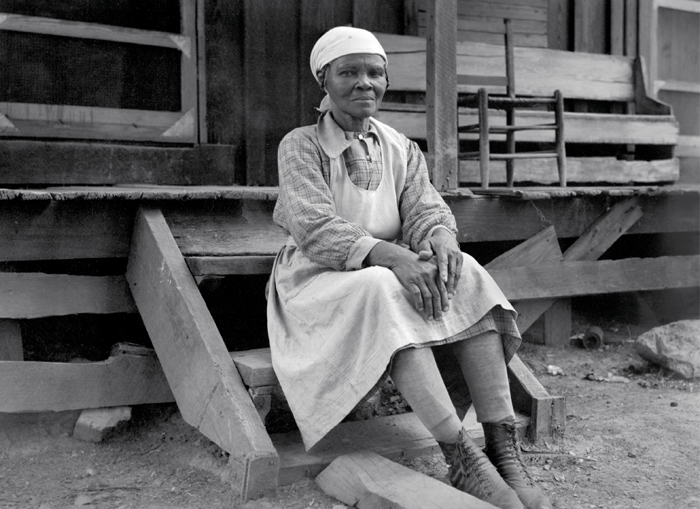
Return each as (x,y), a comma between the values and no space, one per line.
(441,93)
(10,341)
(557,323)
(207,387)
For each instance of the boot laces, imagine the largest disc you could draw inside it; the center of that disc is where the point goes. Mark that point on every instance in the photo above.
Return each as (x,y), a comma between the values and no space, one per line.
(513,453)
(467,460)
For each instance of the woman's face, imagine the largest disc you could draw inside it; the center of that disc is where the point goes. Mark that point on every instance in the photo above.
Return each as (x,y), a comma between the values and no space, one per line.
(356,84)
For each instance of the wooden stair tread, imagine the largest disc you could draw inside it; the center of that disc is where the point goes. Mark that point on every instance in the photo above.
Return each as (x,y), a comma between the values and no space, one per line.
(392,436)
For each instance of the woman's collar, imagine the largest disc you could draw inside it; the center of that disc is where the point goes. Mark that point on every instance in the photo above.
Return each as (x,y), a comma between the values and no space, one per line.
(332,138)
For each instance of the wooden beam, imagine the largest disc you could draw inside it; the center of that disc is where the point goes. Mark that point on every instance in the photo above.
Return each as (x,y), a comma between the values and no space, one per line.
(599,128)
(368,481)
(490,219)
(51,26)
(391,436)
(441,94)
(35,295)
(558,25)
(557,323)
(206,385)
(547,413)
(10,341)
(37,162)
(228,265)
(58,386)
(569,279)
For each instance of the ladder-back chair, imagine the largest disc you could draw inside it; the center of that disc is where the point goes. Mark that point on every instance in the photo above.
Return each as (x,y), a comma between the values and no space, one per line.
(509,102)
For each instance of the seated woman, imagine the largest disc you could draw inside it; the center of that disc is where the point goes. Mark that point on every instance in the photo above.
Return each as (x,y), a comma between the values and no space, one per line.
(372,277)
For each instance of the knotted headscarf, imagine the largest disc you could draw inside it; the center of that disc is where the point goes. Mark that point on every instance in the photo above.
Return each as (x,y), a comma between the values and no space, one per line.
(338,42)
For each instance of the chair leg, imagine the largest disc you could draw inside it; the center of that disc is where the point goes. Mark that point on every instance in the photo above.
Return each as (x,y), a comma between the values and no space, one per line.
(484,151)
(510,147)
(559,138)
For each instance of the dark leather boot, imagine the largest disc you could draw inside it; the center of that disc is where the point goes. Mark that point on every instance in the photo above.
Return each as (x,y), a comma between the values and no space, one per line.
(472,472)
(503,449)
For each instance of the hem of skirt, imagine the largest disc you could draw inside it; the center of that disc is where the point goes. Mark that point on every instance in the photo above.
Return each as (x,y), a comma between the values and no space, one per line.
(313,441)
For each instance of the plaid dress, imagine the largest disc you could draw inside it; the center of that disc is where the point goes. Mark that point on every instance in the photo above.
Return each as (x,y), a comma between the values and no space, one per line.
(335,325)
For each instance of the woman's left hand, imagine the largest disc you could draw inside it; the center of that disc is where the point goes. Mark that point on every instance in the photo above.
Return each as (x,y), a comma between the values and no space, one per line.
(445,248)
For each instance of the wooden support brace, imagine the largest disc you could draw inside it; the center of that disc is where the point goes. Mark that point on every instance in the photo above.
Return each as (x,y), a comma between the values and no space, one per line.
(10,341)
(368,481)
(557,323)
(201,374)
(547,413)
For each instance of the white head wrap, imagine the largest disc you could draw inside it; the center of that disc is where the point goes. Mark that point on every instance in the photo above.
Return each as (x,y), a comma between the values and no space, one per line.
(338,42)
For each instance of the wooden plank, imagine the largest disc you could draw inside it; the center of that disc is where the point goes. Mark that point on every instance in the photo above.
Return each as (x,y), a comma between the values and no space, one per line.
(386,16)
(557,323)
(648,15)
(393,437)
(58,386)
(538,249)
(368,481)
(201,71)
(597,239)
(35,295)
(10,341)
(605,231)
(530,396)
(591,26)
(206,385)
(89,122)
(50,26)
(558,36)
(255,367)
(41,163)
(539,71)
(631,14)
(245,228)
(568,279)
(228,265)
(225,86)
(617,27)
(189,81)
(488,219)
(580,127)
(441,94)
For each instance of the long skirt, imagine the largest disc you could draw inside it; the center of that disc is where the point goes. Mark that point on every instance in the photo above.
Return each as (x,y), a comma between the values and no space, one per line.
(333,334)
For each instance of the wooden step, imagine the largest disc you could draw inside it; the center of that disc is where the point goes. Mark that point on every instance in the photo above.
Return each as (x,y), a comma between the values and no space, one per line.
(393,437)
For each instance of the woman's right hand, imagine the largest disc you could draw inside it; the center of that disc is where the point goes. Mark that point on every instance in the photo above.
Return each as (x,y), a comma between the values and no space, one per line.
(420,277)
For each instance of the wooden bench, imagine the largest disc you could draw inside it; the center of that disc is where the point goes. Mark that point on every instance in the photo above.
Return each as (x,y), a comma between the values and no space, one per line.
(632,142)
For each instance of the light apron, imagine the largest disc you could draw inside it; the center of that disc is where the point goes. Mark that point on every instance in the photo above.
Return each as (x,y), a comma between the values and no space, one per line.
(332,333)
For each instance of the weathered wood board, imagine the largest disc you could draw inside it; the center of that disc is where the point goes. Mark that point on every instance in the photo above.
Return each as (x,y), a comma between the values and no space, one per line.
(57,386)
(35,295)
(200,372)
(368,481)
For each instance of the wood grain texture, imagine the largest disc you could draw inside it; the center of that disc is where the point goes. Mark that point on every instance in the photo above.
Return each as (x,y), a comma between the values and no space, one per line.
(568,279)
(206,385)
(10,341)
(393,437)
(557,323)
(35,295)
(50,26)
(44,163)
(489,219)
(441,94)
(58,386)
(539,71)
(368,481)
(580,127)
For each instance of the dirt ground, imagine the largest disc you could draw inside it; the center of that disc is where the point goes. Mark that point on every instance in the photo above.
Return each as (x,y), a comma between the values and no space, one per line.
(627,445)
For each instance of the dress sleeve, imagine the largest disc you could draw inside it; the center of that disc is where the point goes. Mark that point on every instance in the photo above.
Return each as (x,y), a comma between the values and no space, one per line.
(307,211)
(421,206)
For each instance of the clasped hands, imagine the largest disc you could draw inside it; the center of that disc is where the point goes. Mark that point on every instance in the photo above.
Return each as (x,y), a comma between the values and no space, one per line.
(431,276)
